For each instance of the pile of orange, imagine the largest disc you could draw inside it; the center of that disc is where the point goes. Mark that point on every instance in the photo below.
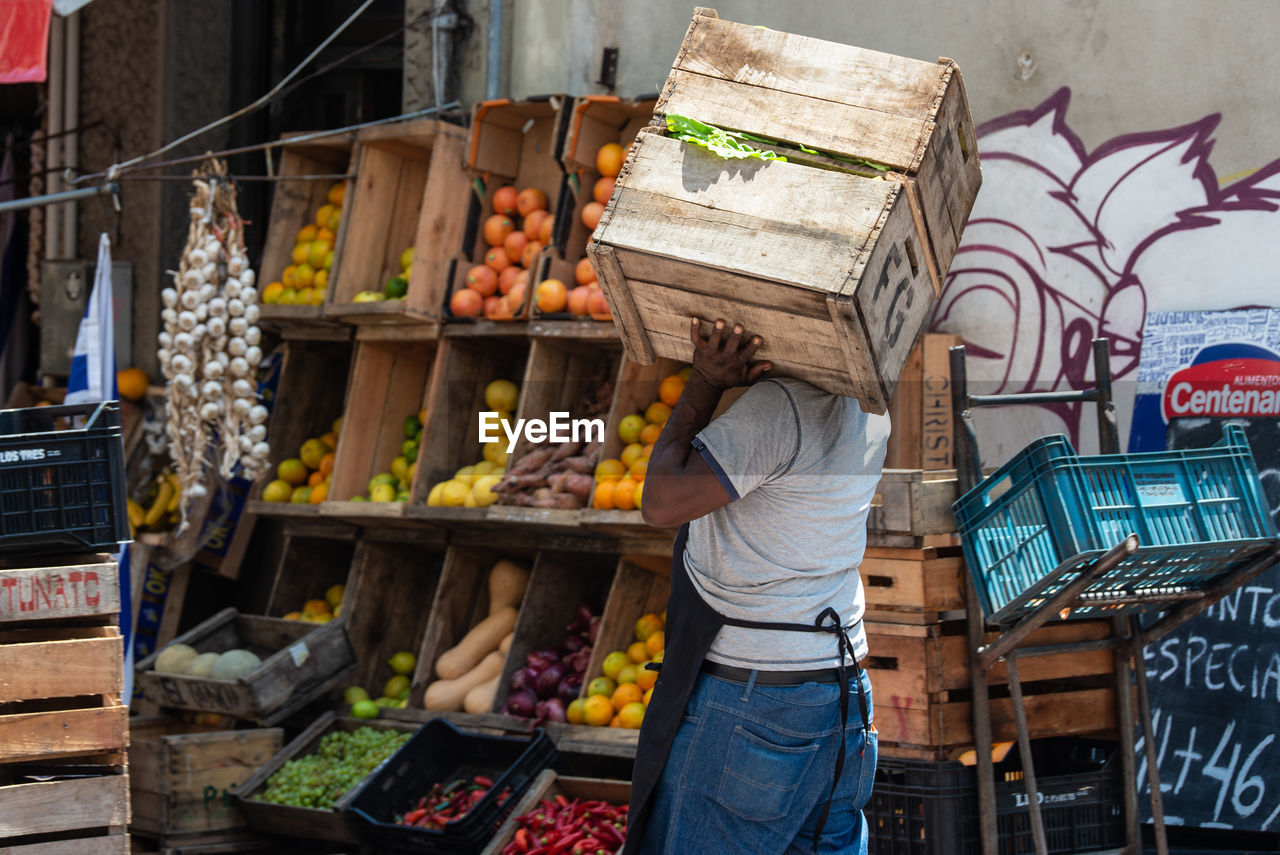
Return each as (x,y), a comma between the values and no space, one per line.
(515,233)
(620,480)
(306,280)
(305,479)
(620,695)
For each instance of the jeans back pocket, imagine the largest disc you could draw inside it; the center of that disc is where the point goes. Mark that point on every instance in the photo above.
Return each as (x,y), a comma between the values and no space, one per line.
(760,778)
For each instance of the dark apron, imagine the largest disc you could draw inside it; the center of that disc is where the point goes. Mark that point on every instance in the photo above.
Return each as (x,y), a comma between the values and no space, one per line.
(691,627)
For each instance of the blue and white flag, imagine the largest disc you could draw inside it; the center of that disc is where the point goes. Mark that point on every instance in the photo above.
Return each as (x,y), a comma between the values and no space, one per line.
(93,379)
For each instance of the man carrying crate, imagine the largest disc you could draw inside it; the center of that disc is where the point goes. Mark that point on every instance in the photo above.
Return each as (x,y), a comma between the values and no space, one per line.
(759,737)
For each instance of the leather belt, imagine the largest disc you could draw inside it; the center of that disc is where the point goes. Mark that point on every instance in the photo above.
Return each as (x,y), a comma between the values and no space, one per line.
(771,678)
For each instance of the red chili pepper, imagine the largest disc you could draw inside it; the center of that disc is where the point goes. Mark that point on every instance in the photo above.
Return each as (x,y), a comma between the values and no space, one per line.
(566,842)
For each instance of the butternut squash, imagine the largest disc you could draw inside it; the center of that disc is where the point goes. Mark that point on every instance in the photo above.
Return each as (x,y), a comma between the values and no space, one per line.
(507,583)
(482,639)
(480,699)
(505,644)
(449,695)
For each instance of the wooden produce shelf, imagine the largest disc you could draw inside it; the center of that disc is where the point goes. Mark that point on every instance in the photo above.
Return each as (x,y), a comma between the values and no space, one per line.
(454,400)
(293,205)
(394,580)
(300,662)
(410,176)
(65,817)
(461,602)
(512,143)
(389,383)
(548,785)
(313,558)
(181,781)
(299,822)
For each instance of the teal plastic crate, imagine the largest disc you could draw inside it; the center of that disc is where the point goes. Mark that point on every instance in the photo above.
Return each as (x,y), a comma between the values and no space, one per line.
(1037,522)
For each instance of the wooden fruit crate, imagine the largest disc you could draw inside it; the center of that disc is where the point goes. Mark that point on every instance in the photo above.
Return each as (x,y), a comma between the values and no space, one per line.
(512,142)
(912,508)
(548,785)
(593,121)
(922,436)
(294,205)
(60,693)
(181,782)
(300,822)
(560,581)
(388,383)
(311,560)
(454,400)
(461,601)
(70,816)
(921,689)
(409,178)
(308,398)
(916,585)
(300,662)
(840,287)
(84,588)
(394,579)
(637,590)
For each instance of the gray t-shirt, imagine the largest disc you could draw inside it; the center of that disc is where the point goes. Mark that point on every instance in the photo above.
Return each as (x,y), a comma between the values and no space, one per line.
(801,466)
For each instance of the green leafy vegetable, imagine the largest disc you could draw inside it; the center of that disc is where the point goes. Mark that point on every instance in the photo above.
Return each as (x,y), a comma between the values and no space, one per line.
(715,140)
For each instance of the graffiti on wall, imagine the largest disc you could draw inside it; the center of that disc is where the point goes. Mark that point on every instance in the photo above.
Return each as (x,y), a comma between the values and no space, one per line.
(1065,244)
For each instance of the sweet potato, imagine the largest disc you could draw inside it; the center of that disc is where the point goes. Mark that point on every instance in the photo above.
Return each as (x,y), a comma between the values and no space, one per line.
(582,465)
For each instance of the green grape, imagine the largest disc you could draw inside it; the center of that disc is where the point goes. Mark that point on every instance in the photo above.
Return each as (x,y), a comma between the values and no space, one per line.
(340,762)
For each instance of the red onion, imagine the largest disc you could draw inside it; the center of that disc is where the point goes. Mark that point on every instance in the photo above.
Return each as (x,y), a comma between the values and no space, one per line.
(584,613)
(573,643)
(539,659)
(522,703)
(550,710)
(548,680)
(594,630)
(569,688)
(522,679)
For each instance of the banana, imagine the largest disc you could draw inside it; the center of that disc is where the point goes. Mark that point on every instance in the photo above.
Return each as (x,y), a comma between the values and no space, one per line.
(172,480)
(136,516)
(156,512)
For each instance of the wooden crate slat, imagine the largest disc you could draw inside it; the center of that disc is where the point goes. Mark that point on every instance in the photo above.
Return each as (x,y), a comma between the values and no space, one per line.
(949,175)
(32,669)
(114,843)
(63,733)
(923,585)
(637,590)
(77,590)
(951,724)
(49,807)
(548,785)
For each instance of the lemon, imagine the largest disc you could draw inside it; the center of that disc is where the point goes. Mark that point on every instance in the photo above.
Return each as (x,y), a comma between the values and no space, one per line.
(322,279)
(467,475)
(306,297)
(369,297)
(435,498)
(328,261)
(307,234)
(317,294)
(496,453)
(317,250)
(323,215)
(501,395)
(397,684)
(278,490)
(406,258)
(300,253)
(288,297)
(271,294)
(334,595)
(454,494)
(482,490)
(355,694)
(382,478)
(382,493)
(484,467)
(304,276)
(469,500)
(409,450)
(400,468)
(301,496)
(403,662)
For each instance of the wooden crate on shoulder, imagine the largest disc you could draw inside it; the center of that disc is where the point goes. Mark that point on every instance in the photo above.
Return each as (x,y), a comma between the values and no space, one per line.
(181,781)
(921,690)
(839,290)
(300,662)
(295,204)
(67,816)
(550,784)
(410,176)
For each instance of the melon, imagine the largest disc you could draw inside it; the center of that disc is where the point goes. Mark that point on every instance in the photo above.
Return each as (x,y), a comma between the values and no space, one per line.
(175,659)
(202,665)
(234,664)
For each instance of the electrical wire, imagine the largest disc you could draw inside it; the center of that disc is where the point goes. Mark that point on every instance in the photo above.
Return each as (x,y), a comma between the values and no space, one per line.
(243,111)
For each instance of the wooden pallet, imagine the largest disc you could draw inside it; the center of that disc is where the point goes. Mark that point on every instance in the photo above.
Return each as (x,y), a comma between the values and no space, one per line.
(65,817)
(181,782)
(548,785)
(300,662)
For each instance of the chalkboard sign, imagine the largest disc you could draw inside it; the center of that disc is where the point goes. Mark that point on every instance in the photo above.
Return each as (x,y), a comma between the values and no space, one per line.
(1215,683)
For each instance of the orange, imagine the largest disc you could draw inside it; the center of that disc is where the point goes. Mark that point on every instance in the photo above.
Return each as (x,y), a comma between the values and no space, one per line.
(326,463)
(507,279)
(584,273)
(638,469)
(597,710)
(496,229)
(307,234)
(609,159)
(646,678)
(300,253)
(638,652)
(466,303)
(627,693)
(603,189)
(647,695)
(647,625)
(627,674)
(533,225)
(496,258)
(280,491)
(289,278)
(514,245)
(292,470)
(326,234)
(544,230)
(529,200)
(616,721)
(598,305)
(591,213)
(576,713)
(492,305)
(551,296)
(624,495)
(315,478)
(650,434)
(657,414)
(319,493)
(271,294)
(336,194)
(671,389)
(603,497)
(630,455)
(529,255)
(579,300)
(325,215)
(614,663)
(132,383)
(639,497)
(483,280)
(504,200)
(330,439)
(610,470)
(656,643)
(631,715)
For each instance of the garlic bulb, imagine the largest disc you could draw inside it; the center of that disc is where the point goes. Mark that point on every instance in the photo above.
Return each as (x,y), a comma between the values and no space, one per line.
(211,389)
(217,307)
(165,339)
(257,415)
(235,308)
(261,451)
(202,312)
(243,388)
(187,320)
(236,346)
(212,369)
(217,327)
(252,335)
(251,313)
(197,258)
(209,411)
(247,278)
(241,406)
(253,355)
(236,265)
(258,432)
(169,297)
(238,326)
(239,367)
(180,363)
(169,316)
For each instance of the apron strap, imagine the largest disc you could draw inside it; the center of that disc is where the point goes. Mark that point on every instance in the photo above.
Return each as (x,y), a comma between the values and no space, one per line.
(827,621)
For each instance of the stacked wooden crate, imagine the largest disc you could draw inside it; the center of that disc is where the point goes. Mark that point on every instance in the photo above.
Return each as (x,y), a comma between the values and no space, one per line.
(64,786)
(913,576)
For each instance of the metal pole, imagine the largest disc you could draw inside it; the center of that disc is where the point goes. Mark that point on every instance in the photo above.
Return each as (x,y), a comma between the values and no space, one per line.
(1108,432)
(493,69)
(1148,738)
(55,198)
(1124,731)
(1028,763)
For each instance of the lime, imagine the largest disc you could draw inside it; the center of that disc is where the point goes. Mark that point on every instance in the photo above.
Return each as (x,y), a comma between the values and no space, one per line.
(354,695)
(411,426)
(397,684)
(410,450)
(403,662)
(382,478)
(396,287)
(364,708)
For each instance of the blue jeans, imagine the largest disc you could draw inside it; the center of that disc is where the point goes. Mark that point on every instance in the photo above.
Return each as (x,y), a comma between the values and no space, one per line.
(751,768)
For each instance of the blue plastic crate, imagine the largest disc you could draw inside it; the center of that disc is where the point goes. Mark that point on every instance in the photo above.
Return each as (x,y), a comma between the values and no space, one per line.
(1033,525)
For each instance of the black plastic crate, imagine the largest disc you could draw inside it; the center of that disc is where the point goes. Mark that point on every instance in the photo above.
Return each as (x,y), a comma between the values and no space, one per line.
(923,808)
(440,753)
(62,486)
